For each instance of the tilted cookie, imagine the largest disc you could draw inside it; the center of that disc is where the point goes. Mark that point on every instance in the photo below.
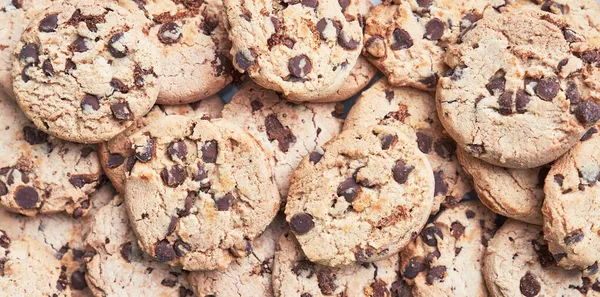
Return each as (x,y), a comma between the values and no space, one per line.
(572,203)
(362,198)
(118,157)
(41,173)
(517,263)
(287,132)
(517,98)
(295,275)
(84,71)
(446,259)
(303,49)
(200,192)
(383,104)
(513,193)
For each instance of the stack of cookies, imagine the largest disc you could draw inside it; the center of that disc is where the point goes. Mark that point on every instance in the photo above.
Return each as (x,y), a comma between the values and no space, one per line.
(299,148)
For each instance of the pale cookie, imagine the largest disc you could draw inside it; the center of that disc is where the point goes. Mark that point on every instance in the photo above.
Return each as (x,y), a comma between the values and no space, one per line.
(41,173)
(517,263)
(446,258)
(513,193)
(118,157)
(84,71)
(294,275)
(120,268)
(303,49)
(571,223)
(362,198)
(516,97)
(407,39)
(287,132)
(250,276)
(194,47)
(383,104)
(200,192)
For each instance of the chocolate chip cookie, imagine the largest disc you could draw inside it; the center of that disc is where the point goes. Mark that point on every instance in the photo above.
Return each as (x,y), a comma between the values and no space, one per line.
(383,104)
(572,202)
(118,157)
(516,98)
(295,275)
(200,192)
(517,263)
(362,198)
(287,132)
(40,173)
(303,49)
(513,193)
(84,71)
(446,258)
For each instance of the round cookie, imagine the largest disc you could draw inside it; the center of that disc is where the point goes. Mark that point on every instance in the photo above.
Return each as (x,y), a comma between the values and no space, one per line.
(446,258)
(250,275)
(116,155)
(516,98)
(383,104)
(200,193)
(362,198)
(120,268)
(41,173)
(303,49)
(407,40)
(513,193)
(194,47)
(295,275)
(517,263)
(572,204)
(84,71)
(287,132)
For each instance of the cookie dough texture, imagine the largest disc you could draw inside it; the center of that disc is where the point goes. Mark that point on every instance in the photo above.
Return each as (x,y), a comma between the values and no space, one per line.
(572,203)
(286,131)
(193,46)
(513,193)
(363,198)
(40,173)
(295,275)
(303,49)
(517,98)
(203,192)
(120,268)
(117,155)
(383,104)
(517,263)
(250,276)
(84,71)
(446,258)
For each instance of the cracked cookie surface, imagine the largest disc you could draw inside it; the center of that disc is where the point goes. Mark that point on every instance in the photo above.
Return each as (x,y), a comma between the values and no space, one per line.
(117,156)
(383,104)
(200,192)
(362,198)
(286,131)
(516,98)
(84,71)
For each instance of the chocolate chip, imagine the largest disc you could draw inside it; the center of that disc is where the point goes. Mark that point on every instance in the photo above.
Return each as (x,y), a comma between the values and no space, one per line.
(78,281)
(79,45)
(346,42)
(244,62)
(209,24)
(26,197)
(574,237)
(572,93)
(430,81)
(169,33)
(529,285)
(348,189)
(435,273)
(299,66)
(24,76)
(344,4)
(310,3)
(174,176)
(47,68)
(505,102)
(116,48)
(497,84)
(434,29)
(210,151)
(401,40)
(181,248)
(90,102)
(559,179)
(467,21)
(457,229)
(544,255)
(441,187)
(114,161)
(70,66)
(224,203)
(80,180)
(522,101)
(445,148)
(326,281)
(375,46)
(4,239)
(424,142)
(177,150)
(301,223)
(172,225)
(569,35)
(587,112)
(121,111)
(470,214)
(547,88)
(119,86)
(413,268)
(322,25)
(315,157)
(29,54)
(3,189)
(34,136)
(145,151)
(553,7)
(126,251)
(401,171)
(276,131)
(164,251)
(49,23)
(429,235)
(589,134)
(424,3)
